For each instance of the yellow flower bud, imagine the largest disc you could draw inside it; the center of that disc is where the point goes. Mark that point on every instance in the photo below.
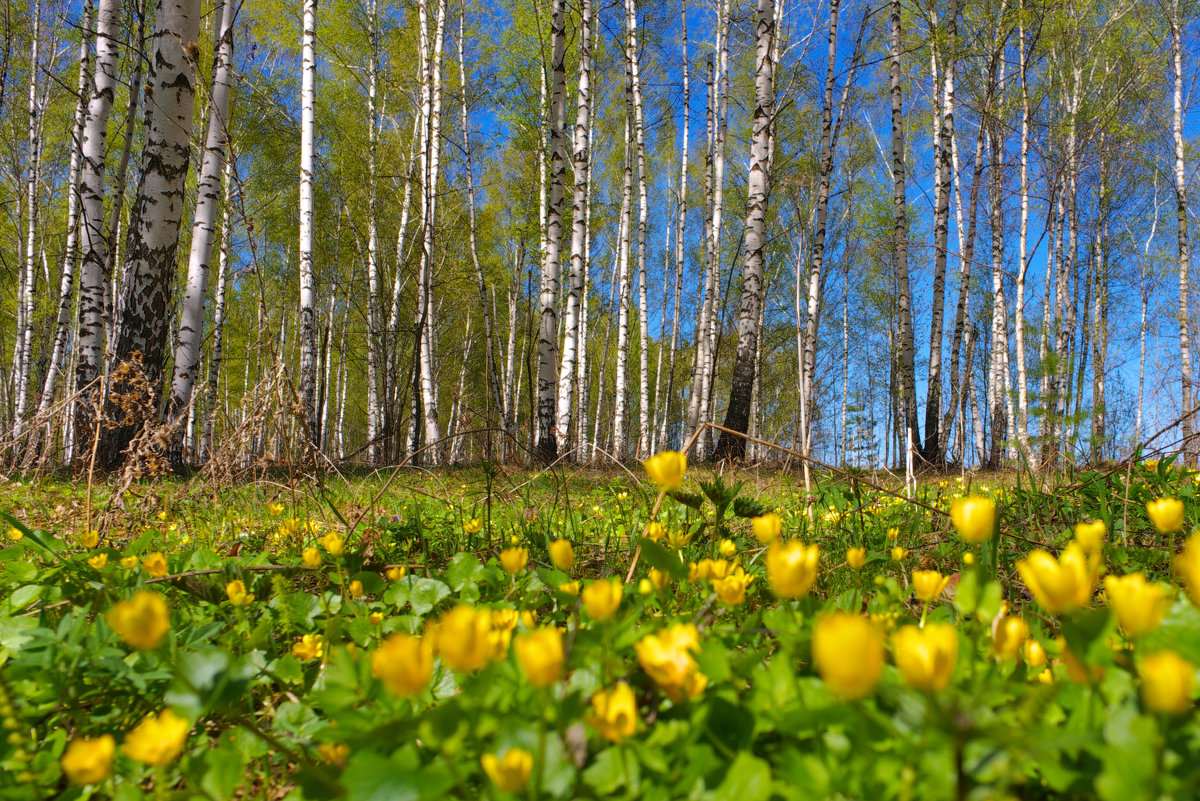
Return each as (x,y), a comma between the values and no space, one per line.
(98,561)
(236,591)
(514,559)
(562,554)
(155,564)
(792,568)
(928,585)
(157,740)
(614,713)
(129,562)
(88,760)
(973,517)
(376,618)
(667,659)
(312,557)
(645,587)
(968,558)
(856,557)
(529,618)
(767,527)
(473,526)
(404,663)
(1138,605)
(659,578)
(732,588)
(601,599)
(655,530)
(540,654)
(848,653)
(142,621)
(1035,654)
(1009,636)
(463,638)
(1166,514)
(1167,681)
(727,549)
(90,539)
(569,587)
(511,772)
(334,543)
(334,753)
(355,589)
(1090,536)
(666,469)
(396,572)
(926,656)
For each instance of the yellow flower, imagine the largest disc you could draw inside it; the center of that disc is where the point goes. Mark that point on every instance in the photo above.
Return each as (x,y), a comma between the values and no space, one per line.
(893,534)
(129,562)
(562,554)
(98,561)
(569,587)
(1187,565)
(666,469)
(667,658)
(732,589)
(464,638)
(928,585)
(974,517)
(157,740)
(376,618)
(727,549)
(1166,514)
(898,553)
(1139,606)
(856,557)
(236,590)
(614,713)
(15,534)
(659,578)
(1063,584)
(1009,636)
(505,619)
(529,618)
(1035,654)
(968,558)
(334,753)
(274,509)
(926,657)
(655,530)
(601,598)
(355,589)
(540,654)
(1090,536)
(514,559)
(88,760)
(473,526)
(848,653)
(334,543)
(677,539)
(792,568)
(396,572)
(403,663)
(511,772)
(142,621)
(155,564)
(1167,681)
(312,557)
(308,647)
(645,587)
(767,527)
(89,539)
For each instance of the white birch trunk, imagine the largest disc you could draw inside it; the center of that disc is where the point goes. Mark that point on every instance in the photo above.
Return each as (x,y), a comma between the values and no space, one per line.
(308,286)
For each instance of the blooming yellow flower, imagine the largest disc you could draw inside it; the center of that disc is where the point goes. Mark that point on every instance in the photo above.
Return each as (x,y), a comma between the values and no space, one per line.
(1063,584)
(529,618)
(334,543)
(514,559)
(88,760)
(90,539)
(473,526)
(898,553)
(236,590)
(614,713)
(667,658)
(926,656)
(676,539)
(1187,565)
(893,534)
(732,588)
(463,638)
(659,578)
(792,568)
(655,530)
(968,558)
(1090,536)
(974,517)
(129,562)
(1138,605)
(312,557)
(928,585)
(1167,681)
(155,564)
(308,647)
(396,572)
(403,663)
(505,619)
(355,589)
(569,587)
(856,557)
(707,569)
(1166,514)
(848,653)
(1035,654)
(727,548)
(157,740)
(334,753)
(562,554)
(1009,636)
(541,655)
(15,534)
(274,509)
(666,469)
(142,621)
(511,772)
(376,618)
(98,561)
(767,527)
(601,598)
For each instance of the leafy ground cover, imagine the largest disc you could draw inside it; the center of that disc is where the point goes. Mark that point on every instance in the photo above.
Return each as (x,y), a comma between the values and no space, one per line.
(657,634)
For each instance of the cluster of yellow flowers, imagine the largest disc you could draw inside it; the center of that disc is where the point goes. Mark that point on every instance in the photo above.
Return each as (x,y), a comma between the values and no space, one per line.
(158,740)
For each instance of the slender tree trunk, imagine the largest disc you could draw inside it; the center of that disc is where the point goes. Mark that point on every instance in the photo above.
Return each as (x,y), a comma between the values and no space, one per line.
(376,348)
(700,362)
(908,386)
(308,281)
(204,226)
(1022,251)
(622,389)
(23,345)
(758,193)
(680,229)
(1144,293)
(215,361)
(1185,355)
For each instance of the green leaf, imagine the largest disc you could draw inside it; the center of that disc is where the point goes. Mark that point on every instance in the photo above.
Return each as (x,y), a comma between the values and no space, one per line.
(688,499)
(663,559)
(748,779)
(748,507)
(464,569)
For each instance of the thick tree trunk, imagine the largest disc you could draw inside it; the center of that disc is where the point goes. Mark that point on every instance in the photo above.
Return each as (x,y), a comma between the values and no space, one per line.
(1185,355)
(758,193)
(908,386)
(23,344)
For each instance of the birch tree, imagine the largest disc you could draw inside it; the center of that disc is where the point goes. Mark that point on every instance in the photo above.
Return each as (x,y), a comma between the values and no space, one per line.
(1185,355)
(308,281)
